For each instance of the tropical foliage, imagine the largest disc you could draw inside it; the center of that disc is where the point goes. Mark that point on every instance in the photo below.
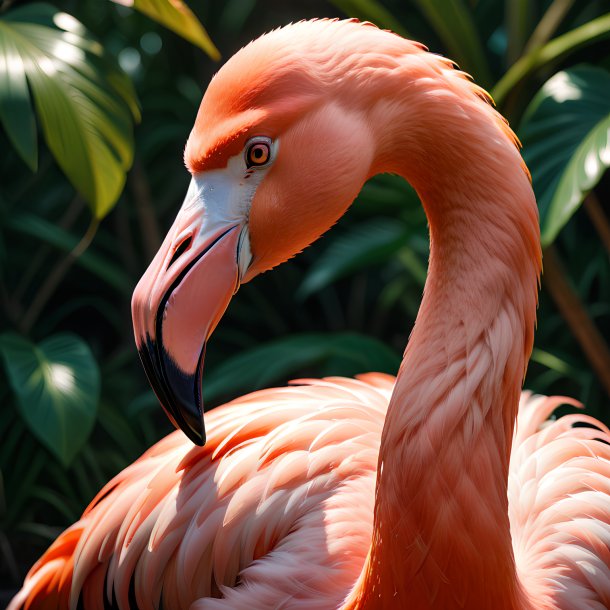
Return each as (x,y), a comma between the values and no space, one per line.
(96,100)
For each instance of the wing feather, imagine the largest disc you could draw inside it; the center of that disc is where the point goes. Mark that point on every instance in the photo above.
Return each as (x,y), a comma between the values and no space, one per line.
(277,508)
(559,506)
(272,496)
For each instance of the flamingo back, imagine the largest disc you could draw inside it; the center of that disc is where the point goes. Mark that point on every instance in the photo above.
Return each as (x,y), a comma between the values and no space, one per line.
(559,506)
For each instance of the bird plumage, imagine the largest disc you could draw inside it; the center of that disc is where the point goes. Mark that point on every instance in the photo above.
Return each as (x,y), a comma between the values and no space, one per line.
(369,493)
(276,510)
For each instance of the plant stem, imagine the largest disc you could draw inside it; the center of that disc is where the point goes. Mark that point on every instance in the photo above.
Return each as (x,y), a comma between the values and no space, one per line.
(145,209)
(56,276)
(552,51)
(517,19)
(595,211)
(65,222)
(126,246)
(575,314)
(4,6)
(549,23)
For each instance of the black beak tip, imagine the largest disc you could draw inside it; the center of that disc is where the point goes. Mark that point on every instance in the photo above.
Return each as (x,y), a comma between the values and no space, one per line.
(178,392)
(192,421)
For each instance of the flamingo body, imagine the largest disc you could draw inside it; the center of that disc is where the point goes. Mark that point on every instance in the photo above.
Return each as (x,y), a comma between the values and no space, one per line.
(276,510)
(280,500)
(441,489)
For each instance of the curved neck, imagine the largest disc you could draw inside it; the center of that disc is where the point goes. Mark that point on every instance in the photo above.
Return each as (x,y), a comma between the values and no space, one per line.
(441,530)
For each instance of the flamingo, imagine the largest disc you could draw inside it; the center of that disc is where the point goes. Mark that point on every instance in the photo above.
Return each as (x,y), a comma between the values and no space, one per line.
(416,492)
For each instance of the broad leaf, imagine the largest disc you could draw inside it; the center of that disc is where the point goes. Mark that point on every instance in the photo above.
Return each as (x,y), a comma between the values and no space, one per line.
(57,384)
(85,104)
(178,17)
(592,31)
(566,142)
(276,361)
(16,112)
(363,245)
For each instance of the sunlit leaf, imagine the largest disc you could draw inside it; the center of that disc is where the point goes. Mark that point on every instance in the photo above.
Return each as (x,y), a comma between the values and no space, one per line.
(360,246)
(84,103)
(276,361)
(16,112)
(178,17)
(592,31)
(566,142)
(57,385)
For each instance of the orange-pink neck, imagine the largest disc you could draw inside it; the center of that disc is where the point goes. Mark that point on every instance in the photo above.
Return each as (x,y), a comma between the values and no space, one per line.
(441,531)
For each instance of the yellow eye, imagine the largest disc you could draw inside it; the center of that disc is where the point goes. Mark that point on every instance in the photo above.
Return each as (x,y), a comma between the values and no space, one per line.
(257,154)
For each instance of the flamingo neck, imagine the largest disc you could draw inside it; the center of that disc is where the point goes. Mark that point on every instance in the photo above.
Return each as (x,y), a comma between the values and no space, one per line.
(441,530)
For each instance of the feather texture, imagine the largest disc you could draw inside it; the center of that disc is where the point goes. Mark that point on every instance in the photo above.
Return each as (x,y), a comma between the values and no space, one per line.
(276,510)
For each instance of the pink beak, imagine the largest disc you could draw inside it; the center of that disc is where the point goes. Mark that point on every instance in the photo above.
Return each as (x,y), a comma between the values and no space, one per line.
(176,306)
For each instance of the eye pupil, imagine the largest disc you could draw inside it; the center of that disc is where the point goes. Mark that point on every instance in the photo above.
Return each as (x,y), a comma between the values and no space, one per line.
(258,154)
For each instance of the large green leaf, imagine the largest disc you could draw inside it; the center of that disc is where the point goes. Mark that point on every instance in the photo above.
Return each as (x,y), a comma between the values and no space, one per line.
(337,354)
(84,102)
(592,31)
(178,17)
(57,384)
(16,112)
(362,245)
(566,142)
(453,22)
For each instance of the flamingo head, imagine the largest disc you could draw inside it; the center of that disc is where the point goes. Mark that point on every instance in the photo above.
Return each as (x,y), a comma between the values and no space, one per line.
(277,154)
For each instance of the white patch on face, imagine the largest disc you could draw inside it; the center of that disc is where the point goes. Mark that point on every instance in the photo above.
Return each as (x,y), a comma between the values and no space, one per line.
(223,197)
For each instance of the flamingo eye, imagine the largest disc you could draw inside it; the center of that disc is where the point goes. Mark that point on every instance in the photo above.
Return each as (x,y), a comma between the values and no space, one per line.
(258,154)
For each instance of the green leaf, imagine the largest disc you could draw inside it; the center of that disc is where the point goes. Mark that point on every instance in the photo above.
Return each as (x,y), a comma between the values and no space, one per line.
(553,362)
(559,47)
(453,22)
(178,17)
(337,354)
(566,138)
(391,195)
(85,104)
(57,385)
(373,11)
(16,113)
(362,245)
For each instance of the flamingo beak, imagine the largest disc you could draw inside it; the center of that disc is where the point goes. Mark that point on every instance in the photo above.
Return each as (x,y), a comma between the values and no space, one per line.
(180,299)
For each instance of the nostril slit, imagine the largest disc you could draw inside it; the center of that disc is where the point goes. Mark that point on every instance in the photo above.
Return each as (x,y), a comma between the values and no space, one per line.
(180,250)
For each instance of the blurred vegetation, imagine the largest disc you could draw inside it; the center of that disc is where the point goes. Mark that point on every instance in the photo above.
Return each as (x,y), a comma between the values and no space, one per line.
(96,102)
